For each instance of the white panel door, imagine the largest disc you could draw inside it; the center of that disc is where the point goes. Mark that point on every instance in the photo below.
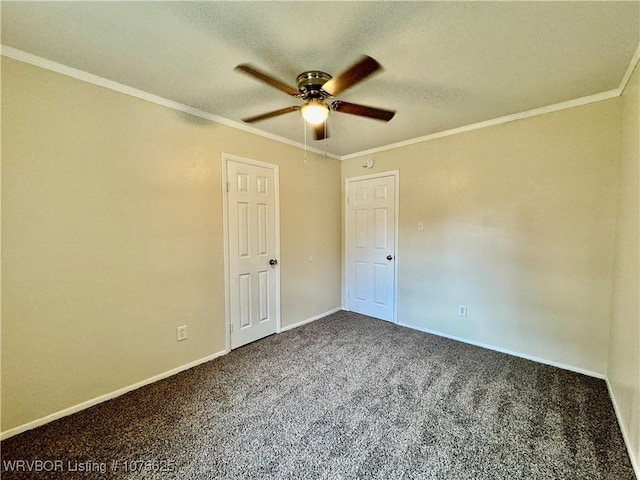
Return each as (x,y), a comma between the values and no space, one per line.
(371,243)
(252,248)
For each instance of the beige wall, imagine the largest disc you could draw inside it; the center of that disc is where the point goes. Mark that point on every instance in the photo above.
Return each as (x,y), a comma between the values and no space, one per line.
(624,343)
(519,226)
(112,237)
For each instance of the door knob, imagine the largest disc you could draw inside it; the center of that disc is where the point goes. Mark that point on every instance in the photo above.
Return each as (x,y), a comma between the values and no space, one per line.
(389,257)
(273,261)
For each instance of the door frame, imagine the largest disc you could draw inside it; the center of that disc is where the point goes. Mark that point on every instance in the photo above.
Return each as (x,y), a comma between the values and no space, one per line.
(345,239)
(225,158)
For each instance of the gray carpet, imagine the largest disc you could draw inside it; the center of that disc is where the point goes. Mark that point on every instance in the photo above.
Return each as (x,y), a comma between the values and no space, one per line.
(344,397)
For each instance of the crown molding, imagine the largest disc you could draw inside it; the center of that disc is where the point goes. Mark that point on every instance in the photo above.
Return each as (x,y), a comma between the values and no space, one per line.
(127,90)
(598,97)
(29,58)
(630,69)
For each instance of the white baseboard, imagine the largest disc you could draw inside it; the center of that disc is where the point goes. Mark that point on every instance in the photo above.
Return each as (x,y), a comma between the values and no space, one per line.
(108,396)
(564,366)
(103,398)
(309,320)
(625,433)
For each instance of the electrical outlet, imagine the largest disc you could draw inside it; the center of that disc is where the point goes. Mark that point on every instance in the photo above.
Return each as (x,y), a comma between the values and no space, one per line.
(182,333)
(462,310)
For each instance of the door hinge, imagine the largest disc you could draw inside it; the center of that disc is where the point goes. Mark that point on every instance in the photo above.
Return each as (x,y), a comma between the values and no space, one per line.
(231,328)
(227,187)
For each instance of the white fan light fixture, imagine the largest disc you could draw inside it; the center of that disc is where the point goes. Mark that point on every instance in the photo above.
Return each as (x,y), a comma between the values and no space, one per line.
(314,112)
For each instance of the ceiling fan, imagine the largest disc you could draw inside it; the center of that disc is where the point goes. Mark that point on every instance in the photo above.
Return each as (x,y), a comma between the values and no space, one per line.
(316,88)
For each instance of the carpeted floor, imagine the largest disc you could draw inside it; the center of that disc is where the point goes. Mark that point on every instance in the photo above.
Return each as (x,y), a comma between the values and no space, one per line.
(345,397)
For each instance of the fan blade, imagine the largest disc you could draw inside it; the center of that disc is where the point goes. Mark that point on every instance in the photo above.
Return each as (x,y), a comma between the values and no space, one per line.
(268,79)
(275,113)
(321,131)
(358,72)
(362,110)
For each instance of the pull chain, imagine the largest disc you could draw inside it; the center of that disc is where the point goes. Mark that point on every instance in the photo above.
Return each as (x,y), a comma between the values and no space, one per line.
(325,139)
(304,125)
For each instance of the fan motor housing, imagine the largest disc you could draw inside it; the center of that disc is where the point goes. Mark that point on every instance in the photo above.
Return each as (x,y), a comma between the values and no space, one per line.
(310,83)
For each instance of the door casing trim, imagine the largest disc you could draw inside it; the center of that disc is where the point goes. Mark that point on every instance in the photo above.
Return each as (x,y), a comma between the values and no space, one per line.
(345,256)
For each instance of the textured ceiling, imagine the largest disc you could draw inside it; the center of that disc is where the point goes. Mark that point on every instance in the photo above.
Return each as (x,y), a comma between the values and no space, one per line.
(447,64)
